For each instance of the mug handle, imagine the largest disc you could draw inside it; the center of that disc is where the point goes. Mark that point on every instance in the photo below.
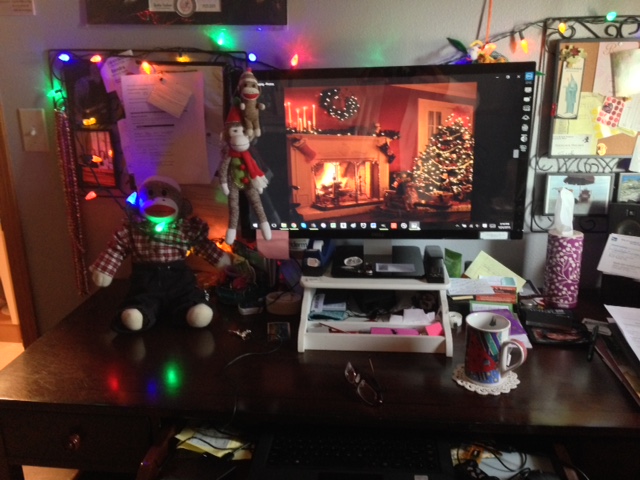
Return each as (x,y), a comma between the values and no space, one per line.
(506,365)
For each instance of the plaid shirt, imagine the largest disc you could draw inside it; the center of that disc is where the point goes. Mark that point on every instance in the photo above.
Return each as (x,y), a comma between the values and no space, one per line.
(139,239)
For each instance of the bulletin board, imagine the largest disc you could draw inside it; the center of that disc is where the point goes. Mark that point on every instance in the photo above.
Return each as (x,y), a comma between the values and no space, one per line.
(596,99)
(111,115)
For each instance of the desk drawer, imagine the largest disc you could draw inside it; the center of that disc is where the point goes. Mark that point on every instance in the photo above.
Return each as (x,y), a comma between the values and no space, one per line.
(99,442)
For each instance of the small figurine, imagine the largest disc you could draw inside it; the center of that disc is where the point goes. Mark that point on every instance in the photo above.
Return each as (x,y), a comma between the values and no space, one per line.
(159,234)
(248,91)
(239,171)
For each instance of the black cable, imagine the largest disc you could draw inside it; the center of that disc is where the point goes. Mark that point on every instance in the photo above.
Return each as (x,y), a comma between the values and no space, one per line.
(232,362)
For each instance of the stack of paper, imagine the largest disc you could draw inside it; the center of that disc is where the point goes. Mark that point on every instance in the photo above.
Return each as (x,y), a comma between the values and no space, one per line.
(621,350)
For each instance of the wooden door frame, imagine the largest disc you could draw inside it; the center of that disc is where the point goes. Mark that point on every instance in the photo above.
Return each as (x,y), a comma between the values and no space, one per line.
(12,229)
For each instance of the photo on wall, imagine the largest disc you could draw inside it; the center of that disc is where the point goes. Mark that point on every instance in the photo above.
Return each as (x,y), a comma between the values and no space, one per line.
(628,187)
(570,83)
(591,192)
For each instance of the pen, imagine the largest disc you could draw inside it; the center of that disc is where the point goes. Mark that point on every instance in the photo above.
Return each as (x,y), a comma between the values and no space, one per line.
(592,344)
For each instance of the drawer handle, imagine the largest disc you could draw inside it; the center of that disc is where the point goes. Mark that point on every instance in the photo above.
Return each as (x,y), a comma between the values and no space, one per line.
(73,442)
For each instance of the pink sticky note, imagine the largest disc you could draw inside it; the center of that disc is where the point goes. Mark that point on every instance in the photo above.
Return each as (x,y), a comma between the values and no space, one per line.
(435,330)
(406,331)
(381,331)
(277,248)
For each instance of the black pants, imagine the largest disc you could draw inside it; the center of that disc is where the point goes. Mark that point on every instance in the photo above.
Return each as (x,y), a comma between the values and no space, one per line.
(162,292)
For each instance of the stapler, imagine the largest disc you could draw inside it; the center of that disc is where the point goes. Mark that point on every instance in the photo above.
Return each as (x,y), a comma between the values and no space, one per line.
(316,257)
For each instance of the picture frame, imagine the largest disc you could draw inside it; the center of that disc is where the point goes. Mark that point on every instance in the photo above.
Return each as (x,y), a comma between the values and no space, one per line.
(628,187)
(185,12)
(592,192)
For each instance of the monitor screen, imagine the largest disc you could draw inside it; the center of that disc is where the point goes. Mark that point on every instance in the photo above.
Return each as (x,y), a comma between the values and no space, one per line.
(430,152)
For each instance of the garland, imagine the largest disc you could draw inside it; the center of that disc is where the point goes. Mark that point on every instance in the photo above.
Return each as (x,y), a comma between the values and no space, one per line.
(332,101)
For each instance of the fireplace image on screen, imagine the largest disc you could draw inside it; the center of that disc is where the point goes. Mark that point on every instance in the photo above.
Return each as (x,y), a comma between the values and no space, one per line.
(346,172)
(397,152)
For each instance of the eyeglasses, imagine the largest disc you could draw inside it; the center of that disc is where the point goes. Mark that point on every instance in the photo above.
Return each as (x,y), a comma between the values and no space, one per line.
(367,388)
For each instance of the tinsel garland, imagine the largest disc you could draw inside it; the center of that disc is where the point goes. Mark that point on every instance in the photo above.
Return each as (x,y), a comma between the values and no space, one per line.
(70,181)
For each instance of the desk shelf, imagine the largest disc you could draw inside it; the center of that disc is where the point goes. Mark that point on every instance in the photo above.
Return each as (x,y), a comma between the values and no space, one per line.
(310,340)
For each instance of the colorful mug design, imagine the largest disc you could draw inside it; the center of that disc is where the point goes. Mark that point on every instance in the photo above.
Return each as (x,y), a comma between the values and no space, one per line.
(488,354)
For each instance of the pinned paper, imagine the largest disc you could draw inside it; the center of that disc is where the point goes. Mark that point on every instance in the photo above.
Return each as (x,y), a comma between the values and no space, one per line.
(277,248)
(170,97)
(486,266)
(634,164)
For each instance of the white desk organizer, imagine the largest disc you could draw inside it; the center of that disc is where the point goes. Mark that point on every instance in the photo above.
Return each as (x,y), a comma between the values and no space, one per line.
(322,340)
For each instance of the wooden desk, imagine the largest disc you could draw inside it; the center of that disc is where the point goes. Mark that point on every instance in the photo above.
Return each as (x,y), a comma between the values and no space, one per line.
(84,397)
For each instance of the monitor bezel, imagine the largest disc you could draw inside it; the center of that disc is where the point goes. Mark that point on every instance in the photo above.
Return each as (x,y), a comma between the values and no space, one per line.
(515,232)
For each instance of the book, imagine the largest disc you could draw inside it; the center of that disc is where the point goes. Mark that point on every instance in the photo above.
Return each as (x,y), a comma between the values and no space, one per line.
(614,357)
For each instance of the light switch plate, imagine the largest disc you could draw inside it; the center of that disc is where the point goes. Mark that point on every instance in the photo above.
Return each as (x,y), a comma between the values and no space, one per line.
(33,129)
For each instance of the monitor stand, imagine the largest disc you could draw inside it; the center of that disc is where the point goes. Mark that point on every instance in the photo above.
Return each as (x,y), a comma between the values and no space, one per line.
(377,259)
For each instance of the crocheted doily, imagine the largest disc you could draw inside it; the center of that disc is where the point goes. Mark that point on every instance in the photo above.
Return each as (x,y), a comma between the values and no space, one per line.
(509,382)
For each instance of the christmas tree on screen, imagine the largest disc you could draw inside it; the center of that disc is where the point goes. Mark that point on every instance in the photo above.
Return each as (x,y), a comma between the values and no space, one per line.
(443,172)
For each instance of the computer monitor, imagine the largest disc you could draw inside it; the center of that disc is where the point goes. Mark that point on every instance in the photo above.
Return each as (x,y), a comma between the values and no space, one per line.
(407,152)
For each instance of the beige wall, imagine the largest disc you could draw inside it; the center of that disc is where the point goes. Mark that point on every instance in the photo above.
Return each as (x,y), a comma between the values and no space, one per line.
(325,33)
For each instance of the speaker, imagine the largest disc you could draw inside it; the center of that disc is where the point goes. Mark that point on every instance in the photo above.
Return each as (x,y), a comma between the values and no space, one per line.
(624,219)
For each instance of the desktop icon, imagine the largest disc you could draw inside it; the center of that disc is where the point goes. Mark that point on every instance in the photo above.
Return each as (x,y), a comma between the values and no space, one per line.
(404,225)
(394,225)
(343,224)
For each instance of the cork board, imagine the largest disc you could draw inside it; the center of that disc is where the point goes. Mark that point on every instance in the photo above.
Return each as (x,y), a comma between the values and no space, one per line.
(596,102)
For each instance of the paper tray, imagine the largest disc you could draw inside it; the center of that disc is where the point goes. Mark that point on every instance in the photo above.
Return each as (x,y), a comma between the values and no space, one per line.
(318,338)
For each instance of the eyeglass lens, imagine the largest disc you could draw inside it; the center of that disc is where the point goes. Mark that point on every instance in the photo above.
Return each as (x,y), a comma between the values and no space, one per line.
(367,390)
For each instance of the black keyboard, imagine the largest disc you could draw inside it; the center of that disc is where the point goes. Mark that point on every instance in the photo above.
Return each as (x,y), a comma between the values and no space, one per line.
(357,451)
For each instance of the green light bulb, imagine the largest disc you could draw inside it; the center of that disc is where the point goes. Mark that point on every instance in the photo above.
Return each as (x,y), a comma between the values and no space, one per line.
(172,376)
(611,16)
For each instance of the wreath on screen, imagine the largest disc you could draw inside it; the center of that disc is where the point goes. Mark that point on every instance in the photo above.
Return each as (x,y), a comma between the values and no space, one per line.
(342,107)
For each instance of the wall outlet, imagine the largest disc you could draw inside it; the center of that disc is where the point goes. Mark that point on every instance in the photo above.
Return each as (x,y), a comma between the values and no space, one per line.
(33,129)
